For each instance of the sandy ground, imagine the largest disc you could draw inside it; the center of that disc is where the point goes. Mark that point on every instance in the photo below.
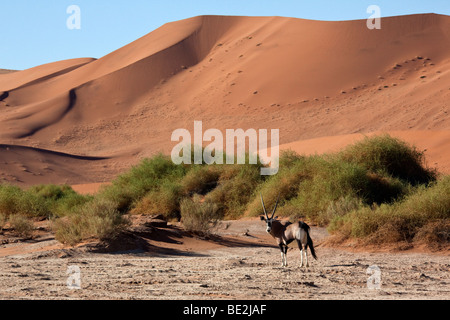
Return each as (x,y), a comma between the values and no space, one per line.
(243,264)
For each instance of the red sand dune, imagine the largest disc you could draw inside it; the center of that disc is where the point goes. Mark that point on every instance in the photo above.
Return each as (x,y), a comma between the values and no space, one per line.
(29,166)
(310,79)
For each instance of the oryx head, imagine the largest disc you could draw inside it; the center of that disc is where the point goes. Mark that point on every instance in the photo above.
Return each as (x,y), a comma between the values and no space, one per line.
(266,217)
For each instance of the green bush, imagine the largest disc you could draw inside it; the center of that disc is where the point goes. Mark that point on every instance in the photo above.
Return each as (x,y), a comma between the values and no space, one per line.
(3,220)
(50,191)
(390,156)
(199,217)
(378,189)
(98,219)
(237,183)
(60,200)
(434,233)
(14,200)
(164,200)
(285,184)
(309,185)
(201,179)
(416,215)
(21,225)
(343,206)
(329,181)
(132,186)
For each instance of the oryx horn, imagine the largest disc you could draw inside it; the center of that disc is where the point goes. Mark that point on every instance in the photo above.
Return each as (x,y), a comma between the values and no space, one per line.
(276,205)
(264,207)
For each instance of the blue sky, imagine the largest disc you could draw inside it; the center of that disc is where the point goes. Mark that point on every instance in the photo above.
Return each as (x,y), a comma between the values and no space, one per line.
(35,32)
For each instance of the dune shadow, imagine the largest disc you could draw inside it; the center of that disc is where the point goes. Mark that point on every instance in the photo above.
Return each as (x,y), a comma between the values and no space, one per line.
(146,240)
(169,241)
(238,243)
(18,148)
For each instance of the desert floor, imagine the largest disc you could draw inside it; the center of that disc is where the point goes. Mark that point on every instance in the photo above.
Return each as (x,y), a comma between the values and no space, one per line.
(242,263)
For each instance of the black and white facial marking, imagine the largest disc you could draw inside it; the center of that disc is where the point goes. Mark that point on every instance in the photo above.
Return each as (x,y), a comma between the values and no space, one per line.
(268,223)
(266,216)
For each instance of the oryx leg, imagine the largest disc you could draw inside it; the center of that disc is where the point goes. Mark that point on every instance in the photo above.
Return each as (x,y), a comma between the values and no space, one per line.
(300,246)
(285,255)
(306,256)
(283,250)
(282,254)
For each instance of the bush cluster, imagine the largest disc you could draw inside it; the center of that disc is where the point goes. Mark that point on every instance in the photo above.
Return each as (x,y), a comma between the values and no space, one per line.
(378,189)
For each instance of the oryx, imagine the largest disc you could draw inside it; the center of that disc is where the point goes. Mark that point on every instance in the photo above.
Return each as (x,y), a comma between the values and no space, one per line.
(286,232)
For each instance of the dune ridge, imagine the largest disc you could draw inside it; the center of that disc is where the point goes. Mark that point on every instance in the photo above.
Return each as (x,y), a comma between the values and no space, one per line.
(24,166)
(310,79)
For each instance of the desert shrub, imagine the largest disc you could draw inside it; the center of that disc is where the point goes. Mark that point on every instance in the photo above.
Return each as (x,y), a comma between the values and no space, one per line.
(363,222)
(430,202)
(132,186)
(329,181)
(50,191)
(236,185)
(405,220)
(157,185)
(21,225)
(14,200)
(434,233)
(60,200)
(3,220)
(165,199)
(343,206)
(9,197)
(201,179)
(387,155)
(285,184)
(378,189)
(69,203)
(289,158)
(98,219)
(228,186)
(199,217)
(384,189)
(309,187)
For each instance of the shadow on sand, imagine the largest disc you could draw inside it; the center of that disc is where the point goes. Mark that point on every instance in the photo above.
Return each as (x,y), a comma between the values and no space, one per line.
(169,241)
